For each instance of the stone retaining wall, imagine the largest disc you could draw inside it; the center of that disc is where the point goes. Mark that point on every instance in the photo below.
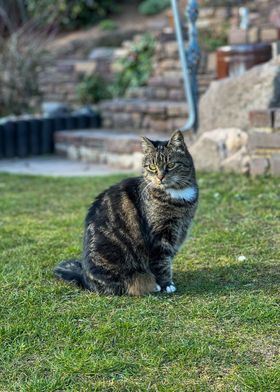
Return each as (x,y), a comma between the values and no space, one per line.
(254,152)
(59,82)
(264,142)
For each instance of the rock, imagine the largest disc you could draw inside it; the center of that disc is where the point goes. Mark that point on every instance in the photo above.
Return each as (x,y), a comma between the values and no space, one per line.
(258,166)
(214,147)
(101,54)
(235,139)
(229,101)
(238,162)
(50,109)
(84,110)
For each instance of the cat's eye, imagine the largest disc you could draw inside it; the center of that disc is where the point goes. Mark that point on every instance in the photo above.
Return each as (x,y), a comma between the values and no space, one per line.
(171,165)
(152,167)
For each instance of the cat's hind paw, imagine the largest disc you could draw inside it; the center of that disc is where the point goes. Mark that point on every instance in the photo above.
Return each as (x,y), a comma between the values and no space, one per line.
(170,289)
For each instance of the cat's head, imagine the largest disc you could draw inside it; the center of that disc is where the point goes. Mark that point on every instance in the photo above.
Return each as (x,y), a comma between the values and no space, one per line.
(168,164)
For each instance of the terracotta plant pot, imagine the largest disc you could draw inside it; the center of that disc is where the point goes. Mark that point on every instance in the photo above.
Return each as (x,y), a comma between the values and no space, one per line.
(234,60)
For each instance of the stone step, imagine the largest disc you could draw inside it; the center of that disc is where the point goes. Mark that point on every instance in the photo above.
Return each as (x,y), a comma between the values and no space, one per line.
(160,93)
(103,146)
(168,86)
(144,106)
(167,58)
(175,79)
(143,115)
(168,34)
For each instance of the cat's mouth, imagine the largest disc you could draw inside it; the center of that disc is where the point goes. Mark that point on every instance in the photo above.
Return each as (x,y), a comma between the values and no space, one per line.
(162,184)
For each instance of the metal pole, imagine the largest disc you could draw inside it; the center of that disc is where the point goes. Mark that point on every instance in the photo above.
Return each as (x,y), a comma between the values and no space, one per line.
(189,60)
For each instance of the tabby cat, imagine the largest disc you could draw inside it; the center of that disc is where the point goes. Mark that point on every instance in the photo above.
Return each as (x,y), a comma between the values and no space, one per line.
(134,229)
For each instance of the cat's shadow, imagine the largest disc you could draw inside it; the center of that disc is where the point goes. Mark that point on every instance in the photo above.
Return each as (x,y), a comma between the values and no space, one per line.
(222,279)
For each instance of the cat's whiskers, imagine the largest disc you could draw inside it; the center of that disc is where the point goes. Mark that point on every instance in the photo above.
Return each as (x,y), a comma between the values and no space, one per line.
(146,188)
(183,183)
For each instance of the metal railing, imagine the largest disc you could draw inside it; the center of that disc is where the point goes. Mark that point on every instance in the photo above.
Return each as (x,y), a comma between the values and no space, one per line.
(189,58)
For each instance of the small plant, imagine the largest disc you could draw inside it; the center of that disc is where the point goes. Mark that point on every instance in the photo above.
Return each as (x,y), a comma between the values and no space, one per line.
(152,7)
(93,89)
(134,70)
(135,67)
(210,40)
(108,25)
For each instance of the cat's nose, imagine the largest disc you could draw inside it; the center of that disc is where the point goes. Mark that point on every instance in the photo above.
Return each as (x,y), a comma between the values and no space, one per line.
(160,175)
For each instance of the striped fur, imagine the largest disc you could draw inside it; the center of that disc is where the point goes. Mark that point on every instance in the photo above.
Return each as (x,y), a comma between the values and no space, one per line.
(134,229)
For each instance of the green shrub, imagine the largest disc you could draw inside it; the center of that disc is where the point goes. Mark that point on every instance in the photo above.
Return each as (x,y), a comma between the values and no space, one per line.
(22,60)
(151,7)
(93,89)
(70,14)
(136,67)
(108,25)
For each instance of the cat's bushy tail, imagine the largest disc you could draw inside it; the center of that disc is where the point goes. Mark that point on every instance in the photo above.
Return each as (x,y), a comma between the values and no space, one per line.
(70,270)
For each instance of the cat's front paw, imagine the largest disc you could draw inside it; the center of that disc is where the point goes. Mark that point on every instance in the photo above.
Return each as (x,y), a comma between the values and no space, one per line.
(171,288)
(157,289)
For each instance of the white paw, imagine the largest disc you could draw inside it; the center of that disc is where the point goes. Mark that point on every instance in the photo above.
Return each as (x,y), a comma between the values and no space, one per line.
(157,288)
(171,288)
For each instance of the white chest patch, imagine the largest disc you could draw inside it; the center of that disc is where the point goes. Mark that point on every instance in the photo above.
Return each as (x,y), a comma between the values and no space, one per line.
(188,194)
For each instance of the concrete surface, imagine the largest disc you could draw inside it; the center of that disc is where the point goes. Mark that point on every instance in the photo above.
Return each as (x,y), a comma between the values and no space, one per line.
(54,166)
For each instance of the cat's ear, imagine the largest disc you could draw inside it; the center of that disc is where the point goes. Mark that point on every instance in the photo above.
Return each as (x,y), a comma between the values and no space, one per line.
(177,140)
(147,145)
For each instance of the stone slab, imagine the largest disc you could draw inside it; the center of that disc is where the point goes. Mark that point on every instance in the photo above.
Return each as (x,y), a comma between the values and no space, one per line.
(277,118)
(121,150)
(237,36)
(275,165)
(261,118)
(262,140)
(269,34)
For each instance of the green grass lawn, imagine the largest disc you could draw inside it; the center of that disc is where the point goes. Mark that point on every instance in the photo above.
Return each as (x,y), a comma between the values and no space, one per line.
(218,332)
